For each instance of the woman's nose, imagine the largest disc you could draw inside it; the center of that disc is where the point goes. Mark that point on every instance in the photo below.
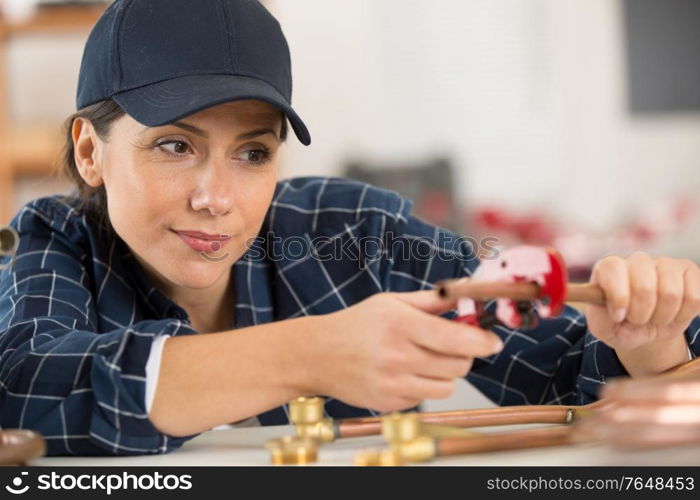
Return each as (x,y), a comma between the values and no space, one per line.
(214,188)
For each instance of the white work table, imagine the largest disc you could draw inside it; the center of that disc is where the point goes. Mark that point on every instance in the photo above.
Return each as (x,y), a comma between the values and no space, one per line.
(246,446)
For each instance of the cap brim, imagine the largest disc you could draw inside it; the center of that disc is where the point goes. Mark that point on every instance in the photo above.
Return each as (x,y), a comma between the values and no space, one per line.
(164,102)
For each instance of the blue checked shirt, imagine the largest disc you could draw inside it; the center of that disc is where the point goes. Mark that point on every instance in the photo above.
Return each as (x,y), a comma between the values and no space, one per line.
(78,316)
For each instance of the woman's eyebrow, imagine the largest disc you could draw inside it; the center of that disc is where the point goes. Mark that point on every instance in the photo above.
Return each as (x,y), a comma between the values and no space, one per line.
(245,136)
(255,133)
(191,128)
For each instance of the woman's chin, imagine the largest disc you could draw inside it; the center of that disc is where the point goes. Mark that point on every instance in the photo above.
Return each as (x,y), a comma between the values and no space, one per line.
(198,275)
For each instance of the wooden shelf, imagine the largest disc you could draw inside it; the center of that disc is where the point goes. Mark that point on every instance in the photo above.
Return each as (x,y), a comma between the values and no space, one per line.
(33,150)
(54,20)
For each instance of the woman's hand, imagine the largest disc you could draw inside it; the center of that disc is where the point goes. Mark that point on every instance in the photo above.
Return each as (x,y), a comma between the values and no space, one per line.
(646,413)
(391,351)
(649,305)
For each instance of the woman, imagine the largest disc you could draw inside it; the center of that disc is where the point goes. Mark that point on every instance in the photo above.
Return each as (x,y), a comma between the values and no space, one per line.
(125,330)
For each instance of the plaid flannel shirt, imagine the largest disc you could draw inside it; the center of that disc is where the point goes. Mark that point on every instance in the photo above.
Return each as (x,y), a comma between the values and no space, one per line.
(78,316)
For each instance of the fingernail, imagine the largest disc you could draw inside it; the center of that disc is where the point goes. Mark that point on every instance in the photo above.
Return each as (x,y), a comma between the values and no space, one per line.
(498,347)
(619,315)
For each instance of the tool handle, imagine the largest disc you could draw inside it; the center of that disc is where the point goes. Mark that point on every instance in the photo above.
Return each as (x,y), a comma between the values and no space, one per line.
(585,292)
(484,290)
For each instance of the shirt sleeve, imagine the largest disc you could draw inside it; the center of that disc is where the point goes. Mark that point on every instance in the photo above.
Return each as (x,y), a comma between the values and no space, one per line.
(557,362)
(83,389)
(153,369)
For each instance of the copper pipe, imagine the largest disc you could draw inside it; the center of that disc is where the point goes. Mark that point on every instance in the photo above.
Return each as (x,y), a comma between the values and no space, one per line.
(691,367)
(515,440)
(484,290)
(483,417)
(539,438)
(465,418)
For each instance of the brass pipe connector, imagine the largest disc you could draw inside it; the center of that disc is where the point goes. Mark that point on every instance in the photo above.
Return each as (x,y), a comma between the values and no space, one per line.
(377,458)
(292,450)
(308,418)
(413,440)
(406,438)
(420,449)
(408,426)
(9,241)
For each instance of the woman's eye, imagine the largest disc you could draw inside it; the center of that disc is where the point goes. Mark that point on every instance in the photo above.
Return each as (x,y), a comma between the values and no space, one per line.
(256,156)
(175,148)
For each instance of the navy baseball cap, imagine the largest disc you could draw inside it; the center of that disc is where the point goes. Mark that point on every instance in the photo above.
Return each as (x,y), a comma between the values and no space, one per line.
(162,60)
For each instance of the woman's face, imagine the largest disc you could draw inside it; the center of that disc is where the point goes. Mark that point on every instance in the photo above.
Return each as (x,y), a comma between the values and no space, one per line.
(213,172)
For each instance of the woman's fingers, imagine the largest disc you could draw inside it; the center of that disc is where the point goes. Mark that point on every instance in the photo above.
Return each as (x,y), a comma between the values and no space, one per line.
(420,323)
(393,350)
(647,300)
(643,290)
(612,275)
(645,413)
(433,365)
(652,391)
(427,301)
(649,413)
(629,436)
(690,306)
(647,424)
(636,429)
(429,388)
(643,283)
(451,338)
(670,290)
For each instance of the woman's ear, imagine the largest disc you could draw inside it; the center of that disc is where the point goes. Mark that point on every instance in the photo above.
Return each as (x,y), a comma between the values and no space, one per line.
(86,152)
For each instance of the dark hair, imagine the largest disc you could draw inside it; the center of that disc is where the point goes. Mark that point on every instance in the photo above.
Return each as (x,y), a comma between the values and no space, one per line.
(93,201)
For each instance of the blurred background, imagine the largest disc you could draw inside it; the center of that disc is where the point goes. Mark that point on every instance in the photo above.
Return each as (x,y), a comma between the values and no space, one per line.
(574,123)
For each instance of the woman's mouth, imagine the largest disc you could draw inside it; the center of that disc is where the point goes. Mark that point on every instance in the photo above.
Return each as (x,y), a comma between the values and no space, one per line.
(202,242)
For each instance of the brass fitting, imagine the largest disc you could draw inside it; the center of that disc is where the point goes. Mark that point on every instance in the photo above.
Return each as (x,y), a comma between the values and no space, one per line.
(401,427)
(9,241)
(420,449)
(377,458)
(292,450)
(413,440)
(404,433)
(408,426)
(307,416)
(576,414)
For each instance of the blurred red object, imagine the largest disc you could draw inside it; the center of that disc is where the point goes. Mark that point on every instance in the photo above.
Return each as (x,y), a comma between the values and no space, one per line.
(528,228)
(435,206)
